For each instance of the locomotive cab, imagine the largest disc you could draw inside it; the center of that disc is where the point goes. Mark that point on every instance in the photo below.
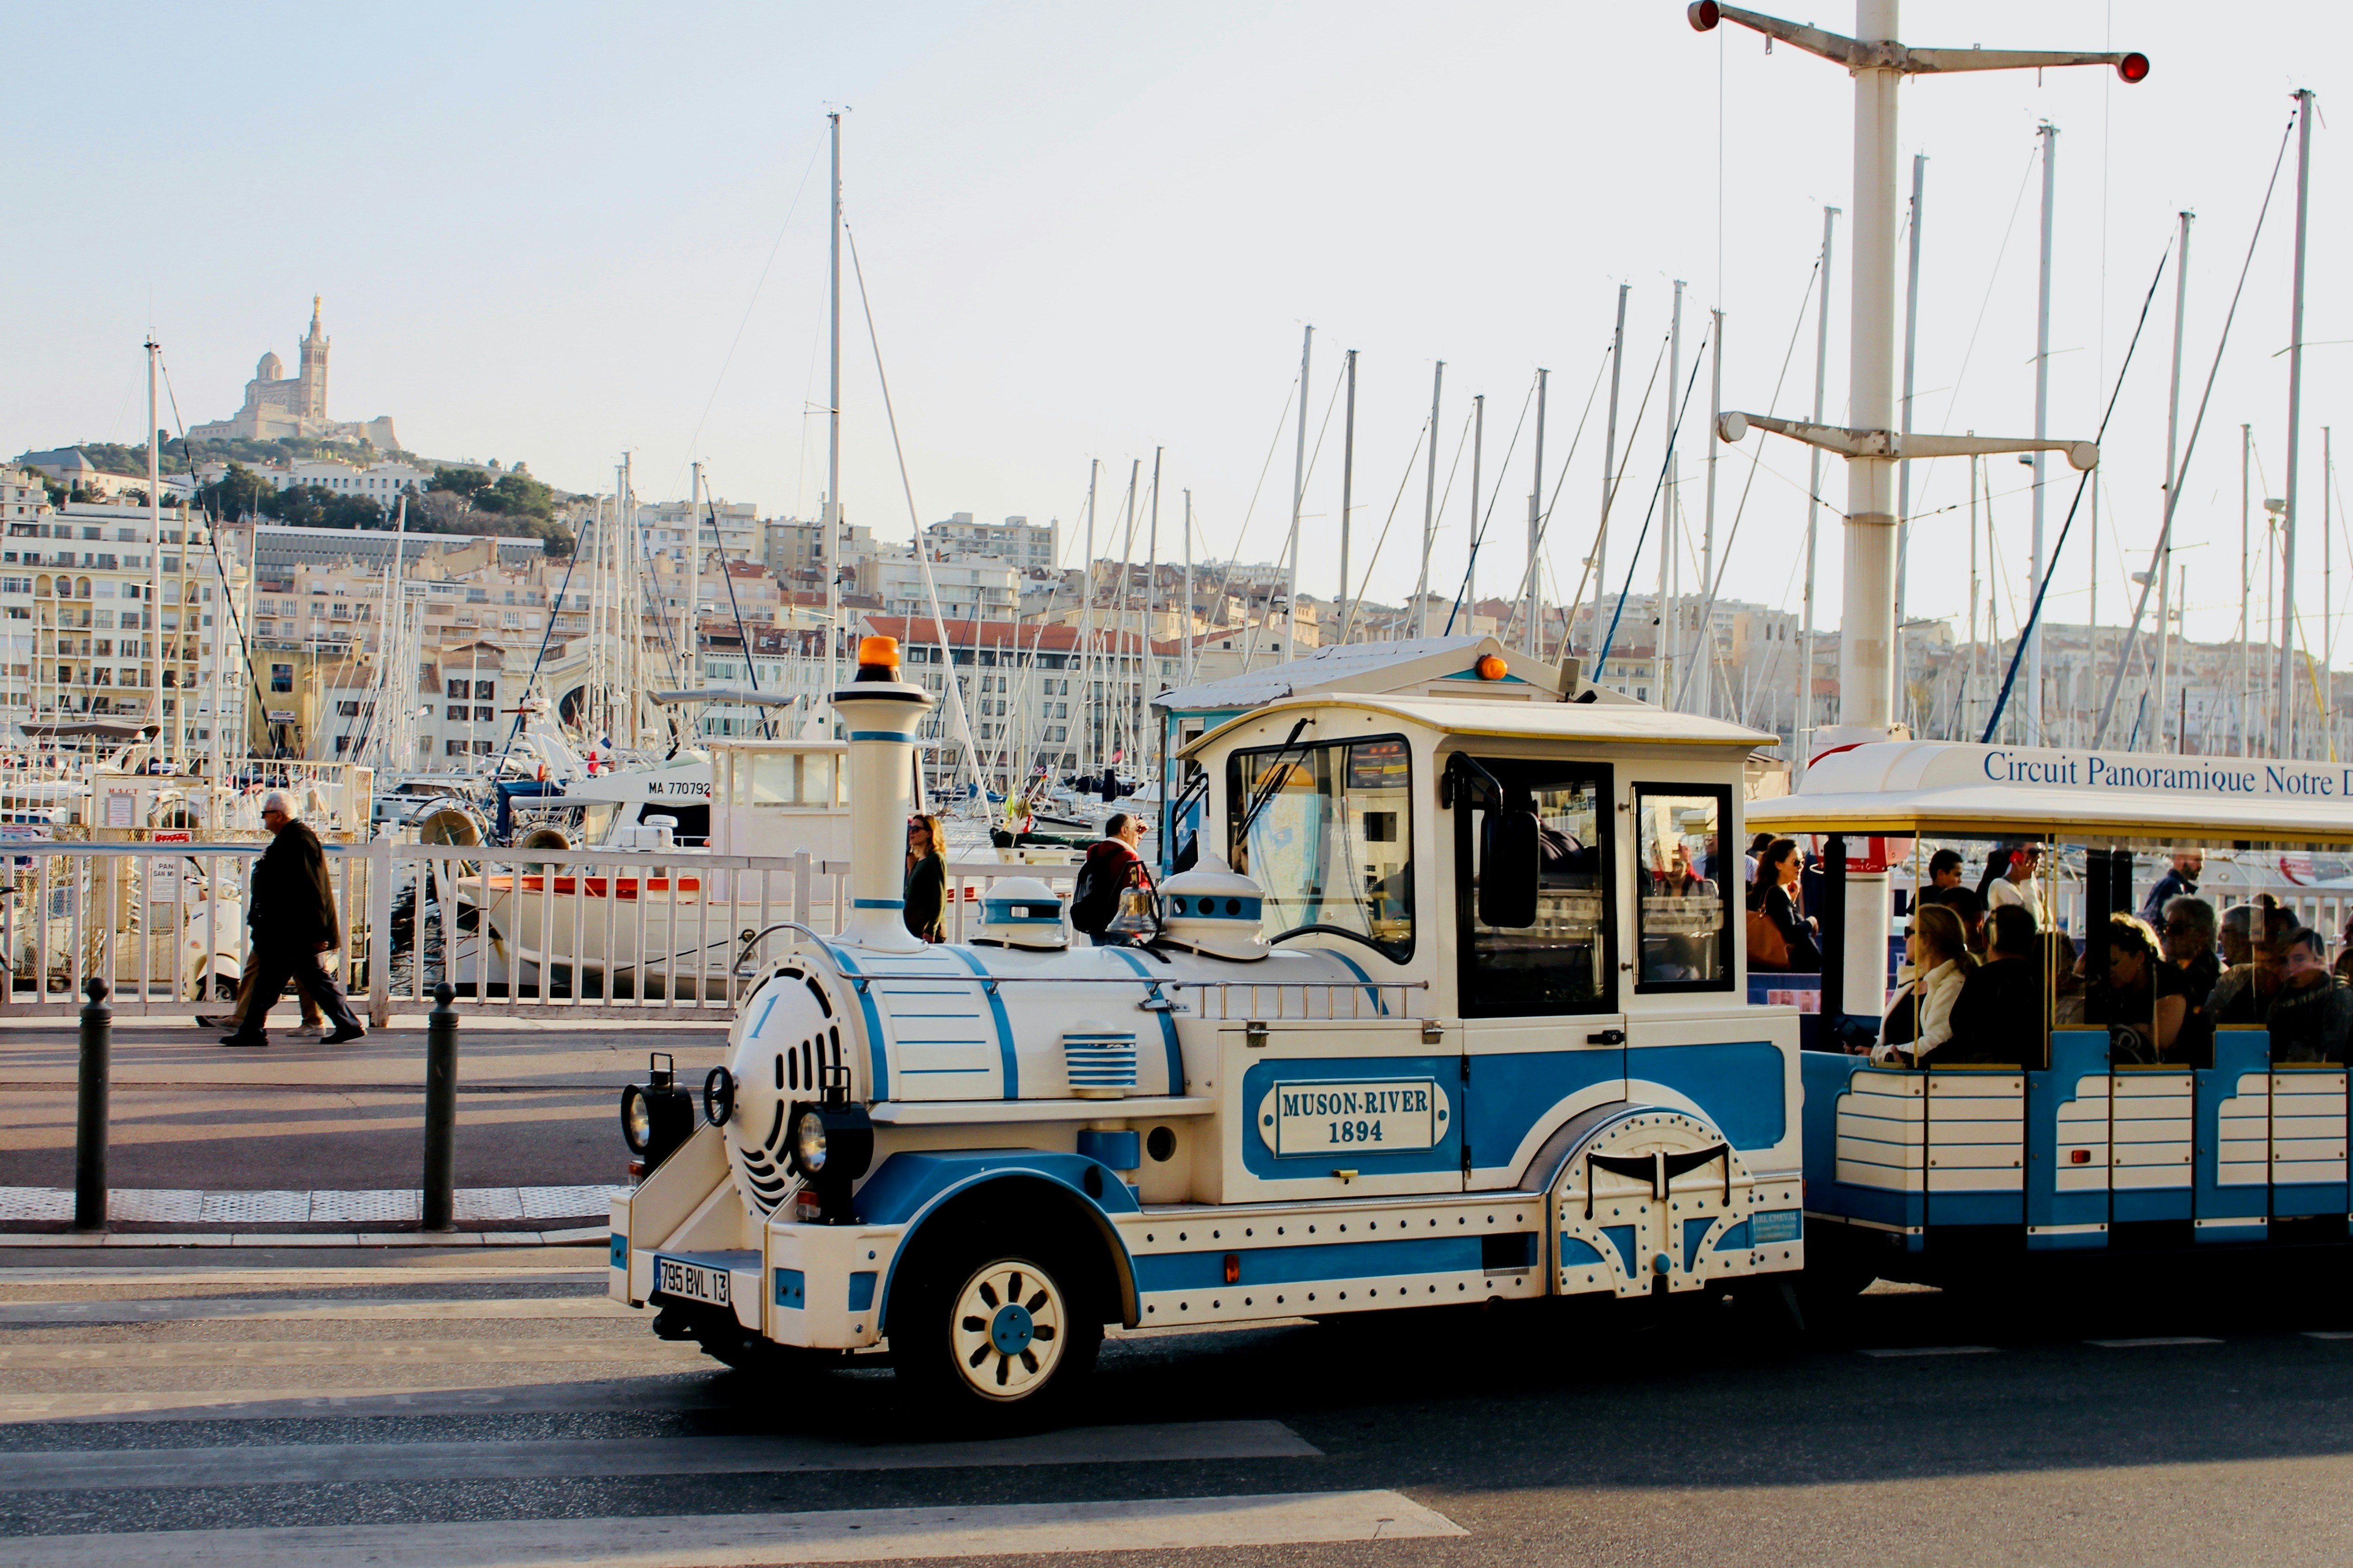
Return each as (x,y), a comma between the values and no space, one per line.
(1450,1009)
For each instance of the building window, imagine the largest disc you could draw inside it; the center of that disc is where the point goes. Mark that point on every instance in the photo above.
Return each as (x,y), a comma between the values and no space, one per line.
(461,688)
(282,677)
(485,715)
(457,714)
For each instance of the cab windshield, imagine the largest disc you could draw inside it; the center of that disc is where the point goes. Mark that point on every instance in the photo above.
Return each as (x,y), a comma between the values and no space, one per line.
(1326,833)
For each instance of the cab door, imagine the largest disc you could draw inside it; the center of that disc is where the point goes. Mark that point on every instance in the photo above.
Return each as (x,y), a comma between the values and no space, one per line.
(1544,1032)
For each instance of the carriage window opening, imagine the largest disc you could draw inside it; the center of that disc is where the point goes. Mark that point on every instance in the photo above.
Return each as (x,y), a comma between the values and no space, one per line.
(1562,962)
(1332,849)
(1684,912)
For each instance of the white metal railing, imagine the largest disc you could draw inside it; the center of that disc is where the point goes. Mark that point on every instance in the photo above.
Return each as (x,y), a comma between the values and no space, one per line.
(523,931)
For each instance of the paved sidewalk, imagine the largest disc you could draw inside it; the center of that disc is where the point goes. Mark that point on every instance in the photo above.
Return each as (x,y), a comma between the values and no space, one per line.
(537,1104)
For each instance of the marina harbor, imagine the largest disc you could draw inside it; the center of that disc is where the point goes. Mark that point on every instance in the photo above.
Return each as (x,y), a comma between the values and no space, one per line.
(880,810)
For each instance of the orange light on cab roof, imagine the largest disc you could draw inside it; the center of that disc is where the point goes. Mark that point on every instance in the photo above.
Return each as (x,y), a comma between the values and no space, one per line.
(1493,668)
(883,651)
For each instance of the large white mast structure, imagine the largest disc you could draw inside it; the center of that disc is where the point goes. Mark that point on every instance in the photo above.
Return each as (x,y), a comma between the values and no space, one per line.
(1874,446)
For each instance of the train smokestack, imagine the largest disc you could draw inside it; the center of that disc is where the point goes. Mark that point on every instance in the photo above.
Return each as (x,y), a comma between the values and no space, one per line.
(882,712)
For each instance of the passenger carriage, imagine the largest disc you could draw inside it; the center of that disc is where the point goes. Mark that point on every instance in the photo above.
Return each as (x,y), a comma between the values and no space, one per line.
(1450,1010)
(2085,1130)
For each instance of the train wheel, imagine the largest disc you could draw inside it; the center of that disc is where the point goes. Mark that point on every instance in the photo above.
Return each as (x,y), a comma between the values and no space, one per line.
(995,1334)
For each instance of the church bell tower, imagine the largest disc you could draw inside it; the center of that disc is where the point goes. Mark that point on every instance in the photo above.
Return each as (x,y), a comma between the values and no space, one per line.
(314,368)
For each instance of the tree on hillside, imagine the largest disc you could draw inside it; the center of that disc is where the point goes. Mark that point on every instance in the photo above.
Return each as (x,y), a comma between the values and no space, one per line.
(238,493)
(315,506)
(463,483)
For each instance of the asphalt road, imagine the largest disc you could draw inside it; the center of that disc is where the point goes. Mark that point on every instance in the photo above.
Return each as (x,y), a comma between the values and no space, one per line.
(536,1103)
(435,1409)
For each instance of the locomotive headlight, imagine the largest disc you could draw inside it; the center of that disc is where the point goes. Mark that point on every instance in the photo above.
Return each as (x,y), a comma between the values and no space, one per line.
(832,1144)
(637,1118)
(657,1115)
(808,1140)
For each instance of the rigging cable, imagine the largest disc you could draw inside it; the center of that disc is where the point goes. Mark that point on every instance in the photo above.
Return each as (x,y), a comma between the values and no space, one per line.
(2173,491)
(1650,512)
(914,519)
(1757,457)
(2083,483)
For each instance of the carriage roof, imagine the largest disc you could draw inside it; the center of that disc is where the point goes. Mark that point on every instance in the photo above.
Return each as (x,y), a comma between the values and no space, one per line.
(1958,787)
(1617,722)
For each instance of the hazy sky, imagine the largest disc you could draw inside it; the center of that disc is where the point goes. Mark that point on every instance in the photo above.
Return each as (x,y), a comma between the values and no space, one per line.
(555,233)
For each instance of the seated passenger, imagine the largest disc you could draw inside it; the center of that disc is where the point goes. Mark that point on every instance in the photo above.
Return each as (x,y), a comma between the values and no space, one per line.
(2311,1011)
(2188,940)
(1941,958)
(1944,869)
(2066,968)
(1778,869)
(2232,938)
(2344,966)
(2243,995)
(2152,1017)
(1999,1017)
(1964,902)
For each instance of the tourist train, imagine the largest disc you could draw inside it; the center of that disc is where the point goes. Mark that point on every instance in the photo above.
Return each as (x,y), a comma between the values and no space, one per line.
(1455,1006)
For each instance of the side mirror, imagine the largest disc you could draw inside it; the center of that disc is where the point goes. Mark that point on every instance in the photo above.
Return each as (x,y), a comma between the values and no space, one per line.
(1509,864)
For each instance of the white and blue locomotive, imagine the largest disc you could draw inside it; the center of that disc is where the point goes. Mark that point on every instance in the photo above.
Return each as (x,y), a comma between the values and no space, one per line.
(1498,1047)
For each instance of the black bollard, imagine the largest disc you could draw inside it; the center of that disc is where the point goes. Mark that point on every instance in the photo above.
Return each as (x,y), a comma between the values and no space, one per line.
(442,1110)
(90,1108)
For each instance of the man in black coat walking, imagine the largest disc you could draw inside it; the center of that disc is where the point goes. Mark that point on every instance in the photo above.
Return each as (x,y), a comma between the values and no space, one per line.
(292,914)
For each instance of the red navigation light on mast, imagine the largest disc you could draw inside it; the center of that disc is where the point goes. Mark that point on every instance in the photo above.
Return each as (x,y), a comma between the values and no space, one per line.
(2132,67)
(1703,15)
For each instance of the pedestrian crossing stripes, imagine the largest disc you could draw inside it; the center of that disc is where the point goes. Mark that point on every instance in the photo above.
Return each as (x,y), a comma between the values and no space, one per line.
(725,1540)
(436,1386)
(304,1464)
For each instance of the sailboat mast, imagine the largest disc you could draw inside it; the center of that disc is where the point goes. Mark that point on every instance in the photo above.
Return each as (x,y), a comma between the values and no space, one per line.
(1086,703)
(2042,430)
(830,511)
(1662,658)
(163,735)
(1903,469)
(690,645)
(1532,639)
(1348,498)
(1703,635)
(1471,566)
(1298,495)
(1126,727)
(2172,483)
(1184,662)
(1601,561)
(1429,508)
(1152,550)
(1805,715)
(2286,719)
